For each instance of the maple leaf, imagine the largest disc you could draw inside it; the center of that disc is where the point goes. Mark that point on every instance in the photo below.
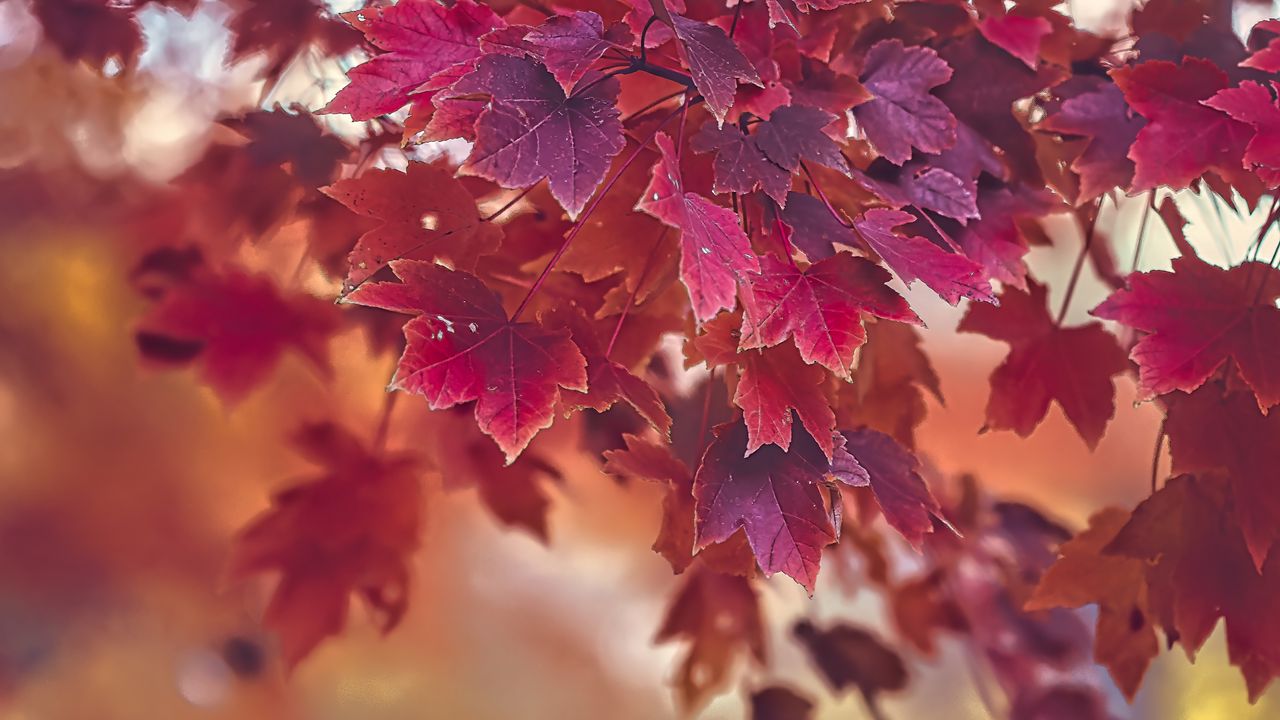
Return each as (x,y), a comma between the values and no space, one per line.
(1198,569)
(569,44)
(893,472)
(1211,430)
(283,28)
(1182,138)
(1102,115)
(741,165)
(820,307)
(794,133)
(1047,362)
(236,326)
(901,113)
(1017,35)
(1267,57)
(1253,104)
(952,275)
(92,30)
(921,607)
(715,253)
(423,213)
(646,460)
(850,657)
(780,703)
(1126,640)
(531,130)
(779,498)
(462,347)
(773,383)
(887,393)
(769,156)
(719,615)
(418,38)
(607,381)
(714,60)
(1197,317)
(279,137)
(986,83)
(514,493)
(349,530)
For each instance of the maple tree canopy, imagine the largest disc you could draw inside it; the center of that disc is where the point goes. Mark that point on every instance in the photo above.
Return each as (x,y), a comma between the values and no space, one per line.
(699,239)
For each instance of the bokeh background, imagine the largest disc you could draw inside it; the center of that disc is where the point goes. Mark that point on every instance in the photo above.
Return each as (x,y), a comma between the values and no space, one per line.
(121,488)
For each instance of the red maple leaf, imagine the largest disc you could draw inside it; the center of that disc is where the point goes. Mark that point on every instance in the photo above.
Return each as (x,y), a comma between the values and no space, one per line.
(719,616)
(646,460)
(1252,103)
(820,307)
(1017,35)
(608,381)
(417,39)
(950,274)
(772,384)
(424,213)
(850,657)
(714,60)
(1212,430)
(1197,316)
(1182,139)
(715,253)
(901,113)
(236,327)
(1199,570)
(1047,362)
(351,530)
(462,347)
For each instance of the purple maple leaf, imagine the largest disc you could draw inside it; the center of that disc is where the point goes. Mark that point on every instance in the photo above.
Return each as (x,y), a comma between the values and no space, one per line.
(901,113)
(714,61)
(531,130)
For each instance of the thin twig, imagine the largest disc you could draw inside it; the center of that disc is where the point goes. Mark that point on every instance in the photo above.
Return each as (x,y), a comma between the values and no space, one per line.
(581,222)
(509,204)
(631,298)
(1075,271)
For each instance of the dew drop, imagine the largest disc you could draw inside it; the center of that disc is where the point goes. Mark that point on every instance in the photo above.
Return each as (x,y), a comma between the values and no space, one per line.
(706,251)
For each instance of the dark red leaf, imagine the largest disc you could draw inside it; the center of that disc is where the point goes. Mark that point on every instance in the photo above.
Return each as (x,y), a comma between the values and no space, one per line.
(570,44)
(349,530)
(820,307)
(1197,316)
(461,347)
(424,213)
(714,61)
(1073,366)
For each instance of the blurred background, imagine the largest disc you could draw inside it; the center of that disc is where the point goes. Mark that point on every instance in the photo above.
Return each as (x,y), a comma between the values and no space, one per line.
(121,488)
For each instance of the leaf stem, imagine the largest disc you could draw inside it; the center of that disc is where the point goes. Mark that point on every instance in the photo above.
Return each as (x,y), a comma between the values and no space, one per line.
(1142,230)
(653,105)
(787,250)
(631,298)
(595,202)
(509,204)
(1079,266)
(1155,459)
(644,34)
(384,421)
(825,200)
